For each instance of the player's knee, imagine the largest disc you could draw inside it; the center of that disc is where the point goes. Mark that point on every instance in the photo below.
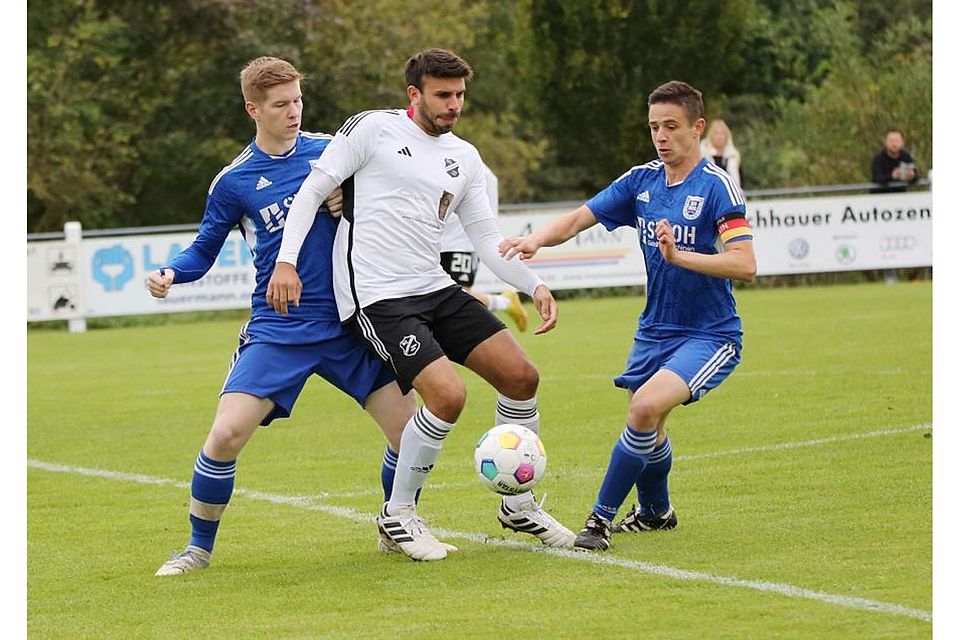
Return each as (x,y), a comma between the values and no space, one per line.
(522,381)
(642,415)
(226,439)
(447,401)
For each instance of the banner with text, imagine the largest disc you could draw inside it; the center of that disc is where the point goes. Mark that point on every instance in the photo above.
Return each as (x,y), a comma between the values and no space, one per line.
(98,277)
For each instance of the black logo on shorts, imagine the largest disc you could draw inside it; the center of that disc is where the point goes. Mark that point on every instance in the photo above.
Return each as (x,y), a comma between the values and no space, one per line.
(410,345)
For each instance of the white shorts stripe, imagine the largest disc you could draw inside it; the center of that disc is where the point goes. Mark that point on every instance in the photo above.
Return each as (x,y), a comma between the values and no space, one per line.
(720,358)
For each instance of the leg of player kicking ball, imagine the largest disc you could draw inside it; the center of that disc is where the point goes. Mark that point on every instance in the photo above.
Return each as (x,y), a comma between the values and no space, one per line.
(649,404)
(501,361)
(444,395)
(392,410)
(237,418)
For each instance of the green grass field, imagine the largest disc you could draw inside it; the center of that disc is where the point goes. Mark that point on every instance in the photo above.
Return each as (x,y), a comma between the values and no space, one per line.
(803,487)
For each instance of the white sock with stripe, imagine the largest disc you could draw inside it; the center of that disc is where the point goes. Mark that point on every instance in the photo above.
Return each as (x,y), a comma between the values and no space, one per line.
(420,446)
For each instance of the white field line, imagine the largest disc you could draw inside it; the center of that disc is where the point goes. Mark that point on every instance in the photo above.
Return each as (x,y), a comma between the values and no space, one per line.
(597,471)
(303,502)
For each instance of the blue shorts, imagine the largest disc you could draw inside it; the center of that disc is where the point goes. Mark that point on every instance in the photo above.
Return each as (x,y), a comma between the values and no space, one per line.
(269,364)
(701,362)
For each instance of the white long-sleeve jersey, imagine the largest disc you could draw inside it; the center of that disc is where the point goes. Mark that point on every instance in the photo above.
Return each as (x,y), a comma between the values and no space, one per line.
(399,183)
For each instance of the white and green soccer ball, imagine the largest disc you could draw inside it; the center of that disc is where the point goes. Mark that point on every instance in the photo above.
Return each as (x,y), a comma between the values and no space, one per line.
(510,459)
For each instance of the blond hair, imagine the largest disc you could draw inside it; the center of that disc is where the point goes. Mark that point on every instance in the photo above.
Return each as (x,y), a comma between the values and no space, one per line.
(263,74)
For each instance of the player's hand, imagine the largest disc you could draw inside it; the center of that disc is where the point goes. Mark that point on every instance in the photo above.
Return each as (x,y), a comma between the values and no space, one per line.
(547,308)
(666,240)
(524,246)
(334,202)
(159,282)
(284,288)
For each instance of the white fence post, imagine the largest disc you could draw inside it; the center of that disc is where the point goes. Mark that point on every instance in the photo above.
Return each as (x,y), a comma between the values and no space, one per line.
(73,235)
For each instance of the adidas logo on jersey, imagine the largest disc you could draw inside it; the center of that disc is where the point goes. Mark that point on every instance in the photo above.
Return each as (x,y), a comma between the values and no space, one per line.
(263,183)
(405,152)
(644,196)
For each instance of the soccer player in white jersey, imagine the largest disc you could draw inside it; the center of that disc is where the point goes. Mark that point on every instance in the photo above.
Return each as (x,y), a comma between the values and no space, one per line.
(277,353)
(689,336)
(401,174)
(458,258)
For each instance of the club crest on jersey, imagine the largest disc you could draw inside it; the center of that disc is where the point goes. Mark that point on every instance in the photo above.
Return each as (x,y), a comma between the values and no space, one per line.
(445,201)
(453,167)
(692,207)
(410,345)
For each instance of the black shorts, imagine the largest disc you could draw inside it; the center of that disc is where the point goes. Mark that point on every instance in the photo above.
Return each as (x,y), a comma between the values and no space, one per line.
(410,333)
(461,265)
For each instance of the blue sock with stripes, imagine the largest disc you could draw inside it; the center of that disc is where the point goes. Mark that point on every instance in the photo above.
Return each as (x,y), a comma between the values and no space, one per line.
(652,491)
(209,494)
(387,472)
(627,460)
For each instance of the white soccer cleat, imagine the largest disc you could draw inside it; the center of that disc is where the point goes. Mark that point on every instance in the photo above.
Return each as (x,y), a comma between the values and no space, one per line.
(531,518)
(408,533)
(386,545)
(190,559)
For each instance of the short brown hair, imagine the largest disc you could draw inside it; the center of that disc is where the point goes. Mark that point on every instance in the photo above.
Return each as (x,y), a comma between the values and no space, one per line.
(265,73)
(681,93)
(438,63)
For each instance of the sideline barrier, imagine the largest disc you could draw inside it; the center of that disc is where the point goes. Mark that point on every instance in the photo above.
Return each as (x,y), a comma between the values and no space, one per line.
(74,277)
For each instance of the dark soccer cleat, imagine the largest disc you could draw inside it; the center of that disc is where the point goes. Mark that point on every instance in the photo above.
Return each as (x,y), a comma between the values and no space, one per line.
(595,535)
(636,521)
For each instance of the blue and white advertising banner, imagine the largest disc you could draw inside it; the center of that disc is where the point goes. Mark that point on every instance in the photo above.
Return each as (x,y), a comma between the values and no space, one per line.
(106,277)
(96,277)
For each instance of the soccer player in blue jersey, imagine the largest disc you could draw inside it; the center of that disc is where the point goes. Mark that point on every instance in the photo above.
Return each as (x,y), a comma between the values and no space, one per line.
(695,240)
(277,353)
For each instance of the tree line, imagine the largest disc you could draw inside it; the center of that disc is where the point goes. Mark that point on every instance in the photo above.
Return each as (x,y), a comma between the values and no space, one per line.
(134,106)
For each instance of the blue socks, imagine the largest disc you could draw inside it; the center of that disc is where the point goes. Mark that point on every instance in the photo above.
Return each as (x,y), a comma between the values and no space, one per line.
(387,472)
(653,496)
(209,494)
(627,460)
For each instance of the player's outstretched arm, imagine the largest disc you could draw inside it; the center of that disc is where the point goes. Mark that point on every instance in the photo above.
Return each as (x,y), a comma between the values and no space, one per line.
(737,261)
(555,232)
(159,282)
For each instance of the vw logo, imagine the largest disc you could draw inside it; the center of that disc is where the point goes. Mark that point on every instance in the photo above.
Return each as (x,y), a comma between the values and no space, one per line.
(799,248)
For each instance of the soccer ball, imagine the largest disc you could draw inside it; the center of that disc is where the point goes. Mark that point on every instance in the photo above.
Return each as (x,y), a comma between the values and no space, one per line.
(510,459)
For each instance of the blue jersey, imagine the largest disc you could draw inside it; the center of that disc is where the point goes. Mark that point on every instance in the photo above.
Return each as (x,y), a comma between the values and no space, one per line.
(704,210)
(254,192)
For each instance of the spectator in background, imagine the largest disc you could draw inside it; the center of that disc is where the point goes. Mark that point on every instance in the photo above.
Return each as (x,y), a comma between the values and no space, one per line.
(718,148)
(893,166)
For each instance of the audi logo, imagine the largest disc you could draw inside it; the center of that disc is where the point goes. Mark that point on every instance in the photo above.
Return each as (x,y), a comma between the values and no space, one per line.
(898,243)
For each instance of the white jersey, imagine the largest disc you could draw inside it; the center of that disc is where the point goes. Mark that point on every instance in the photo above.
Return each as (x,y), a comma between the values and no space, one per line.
(454,238)
(399,183)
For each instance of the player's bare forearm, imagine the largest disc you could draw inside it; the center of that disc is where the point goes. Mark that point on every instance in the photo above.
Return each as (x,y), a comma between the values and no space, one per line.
(737,262)
(555,232)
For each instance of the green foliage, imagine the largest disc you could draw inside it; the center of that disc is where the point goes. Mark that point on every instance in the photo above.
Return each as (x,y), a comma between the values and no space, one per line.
(861,96)
(133,107)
